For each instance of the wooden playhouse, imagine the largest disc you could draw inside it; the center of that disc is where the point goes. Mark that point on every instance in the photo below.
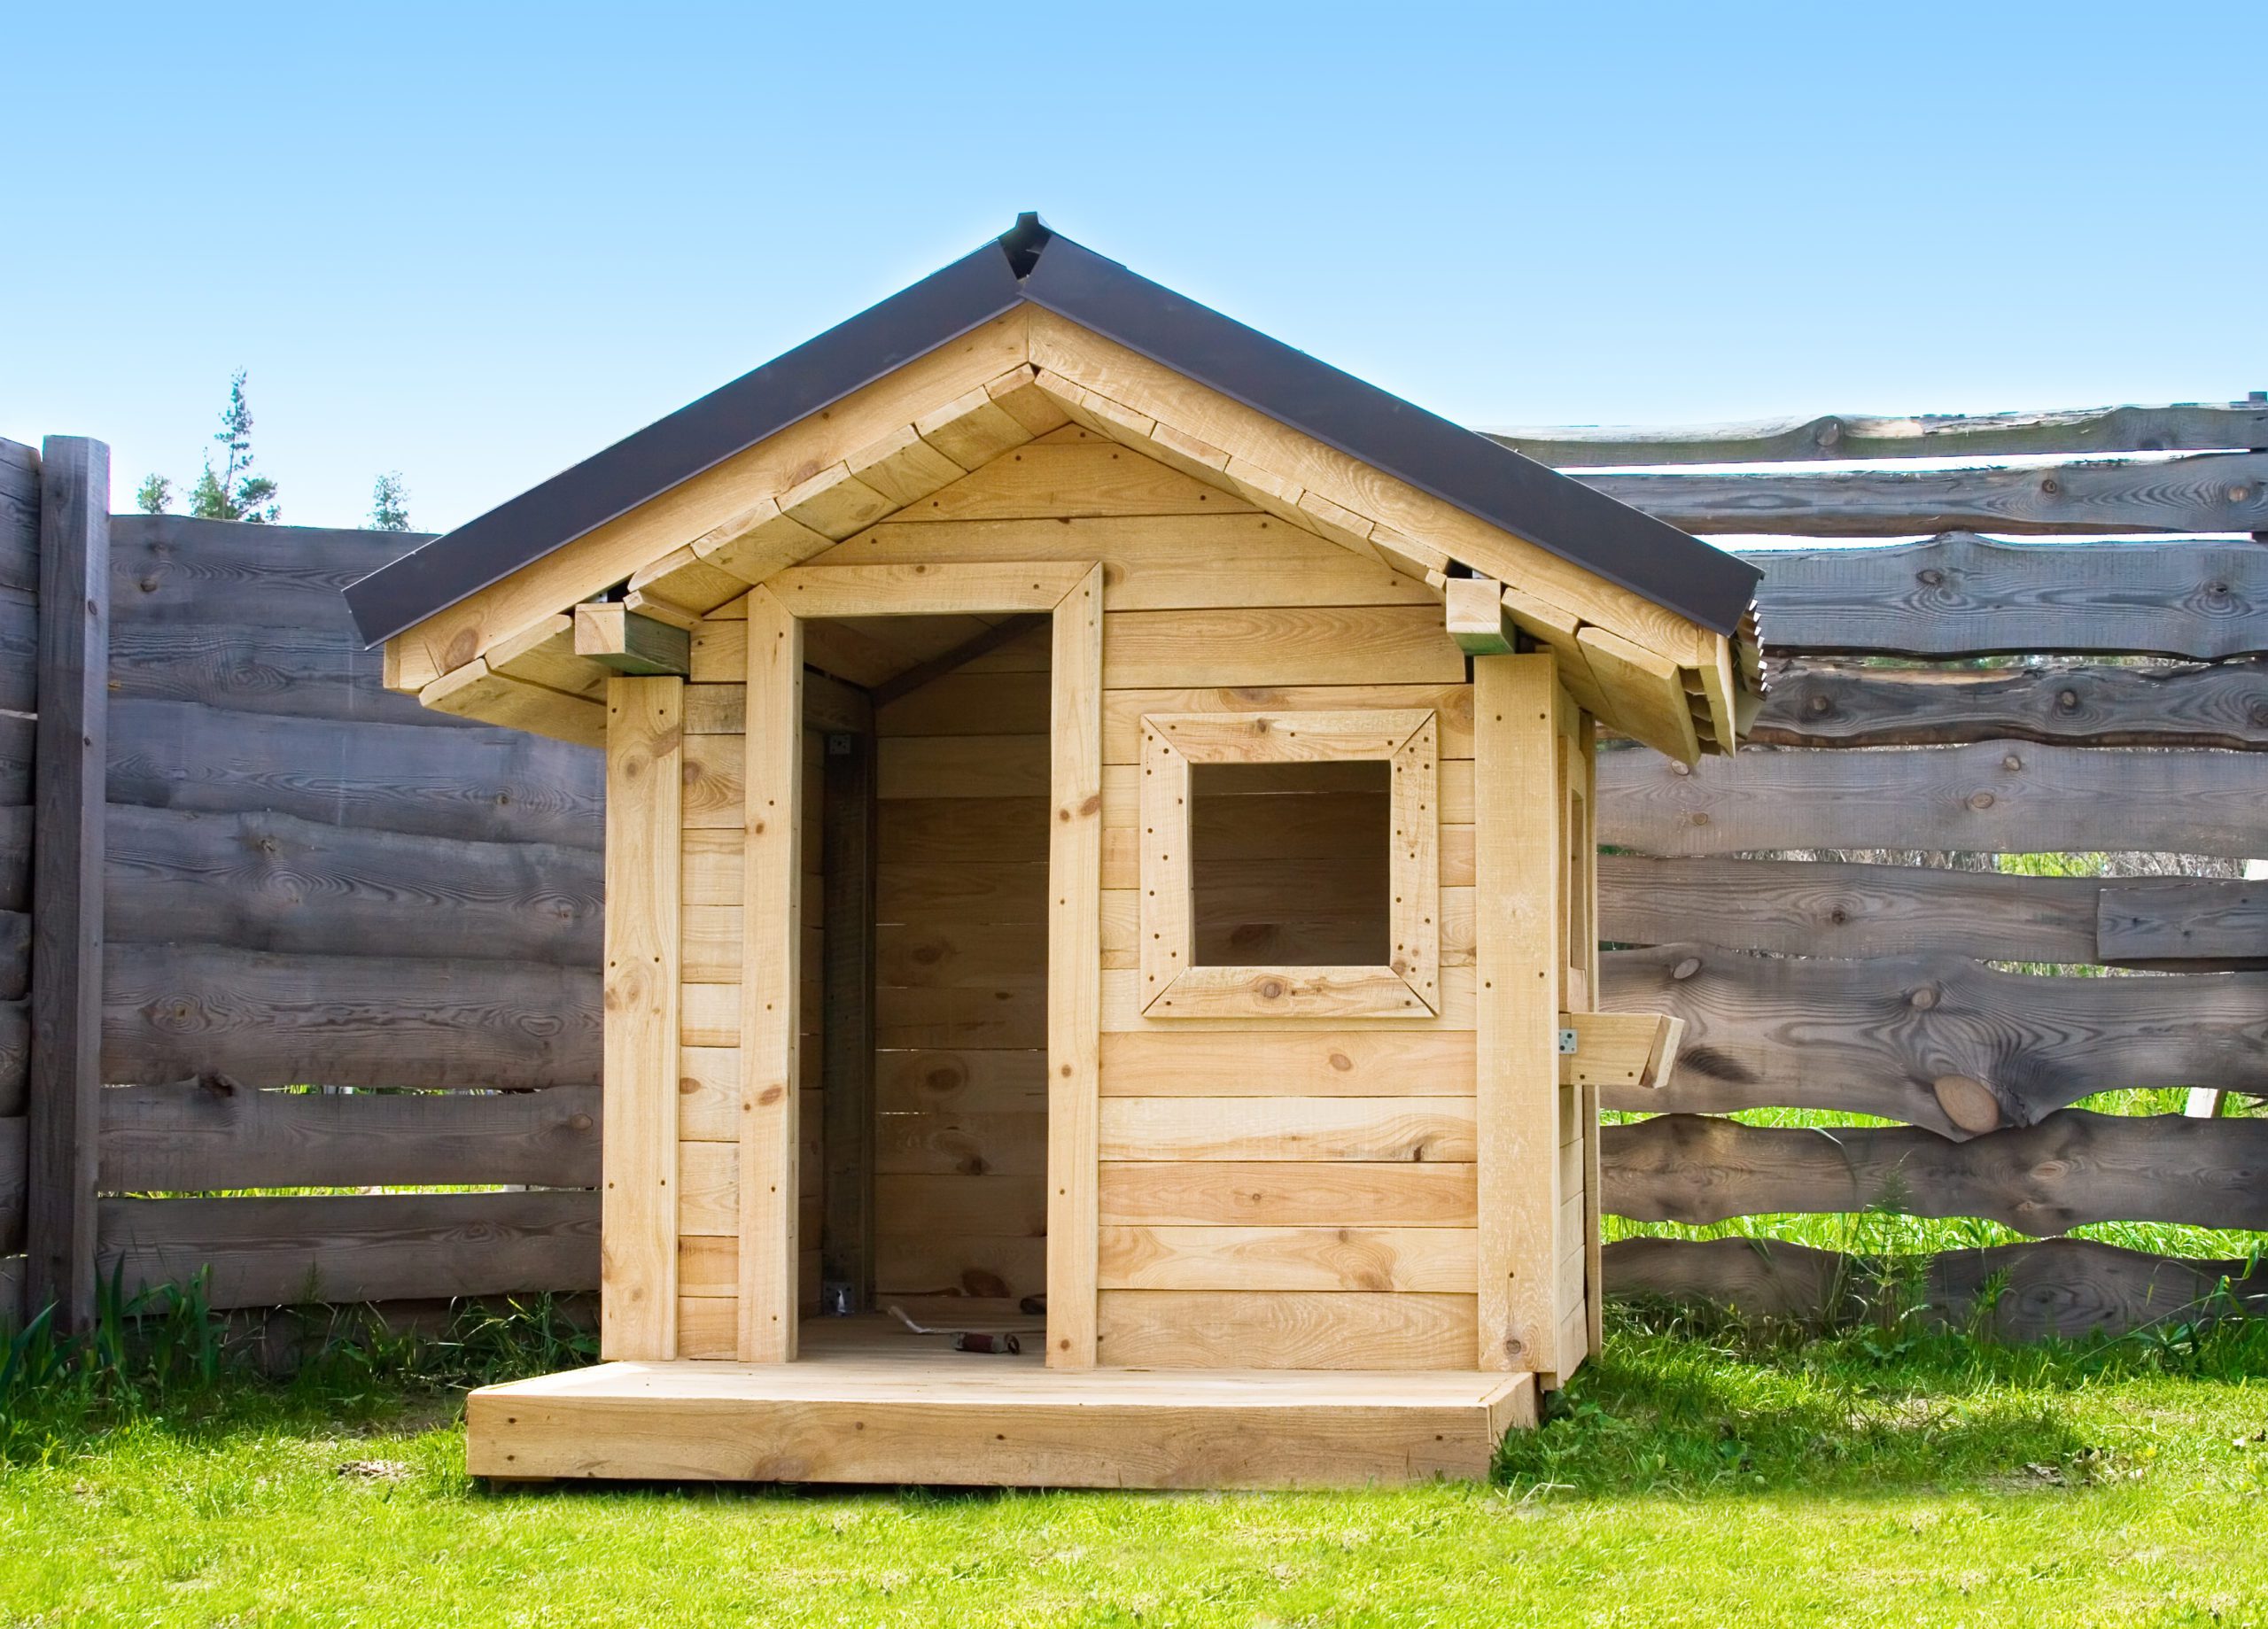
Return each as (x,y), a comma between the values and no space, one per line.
(1100,850)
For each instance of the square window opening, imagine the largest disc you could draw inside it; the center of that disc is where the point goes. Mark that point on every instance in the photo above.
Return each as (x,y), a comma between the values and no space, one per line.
(1291,864)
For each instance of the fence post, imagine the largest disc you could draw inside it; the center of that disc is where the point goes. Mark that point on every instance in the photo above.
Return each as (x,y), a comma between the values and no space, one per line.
(67,896)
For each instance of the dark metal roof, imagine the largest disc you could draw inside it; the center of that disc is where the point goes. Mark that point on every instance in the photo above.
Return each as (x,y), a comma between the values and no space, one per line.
(1489,482)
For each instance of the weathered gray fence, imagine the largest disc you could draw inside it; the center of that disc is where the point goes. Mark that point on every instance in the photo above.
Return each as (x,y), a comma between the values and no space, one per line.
(1886,989)
(345,943)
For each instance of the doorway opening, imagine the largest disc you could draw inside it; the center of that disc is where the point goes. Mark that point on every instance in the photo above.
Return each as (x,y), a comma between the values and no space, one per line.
(925,1192)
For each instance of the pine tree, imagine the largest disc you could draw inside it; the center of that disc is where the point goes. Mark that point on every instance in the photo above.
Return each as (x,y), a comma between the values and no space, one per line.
(390,503)
(155,495)
(234,492)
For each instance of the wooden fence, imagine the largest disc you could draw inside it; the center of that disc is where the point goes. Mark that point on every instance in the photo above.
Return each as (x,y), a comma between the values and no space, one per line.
(1916,992)
(306,881)
(345,943)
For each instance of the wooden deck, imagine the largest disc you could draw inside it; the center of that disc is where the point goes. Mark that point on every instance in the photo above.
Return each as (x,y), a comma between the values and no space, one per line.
(866,1403)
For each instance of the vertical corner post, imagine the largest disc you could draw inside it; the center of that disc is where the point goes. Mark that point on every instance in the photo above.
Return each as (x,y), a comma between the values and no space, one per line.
(71,743)
(638,1219)
(1518,878)
(771,962)
(1074,974)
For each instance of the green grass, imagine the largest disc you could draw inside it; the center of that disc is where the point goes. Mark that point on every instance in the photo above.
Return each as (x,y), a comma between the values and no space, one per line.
(1703,1474)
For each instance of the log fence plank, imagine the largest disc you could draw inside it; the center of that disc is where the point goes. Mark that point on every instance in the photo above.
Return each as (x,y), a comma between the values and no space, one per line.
(19,516)
(12,1186)
(1824,704)
(286,1251)
(258,880)
(1963,595)
(171,1011)
(1991,798)
(203,1135)
(2184,922)
(1937,1042)
(1843,909)
(2074,1167)
(2180,427)
(2216,492)
(2066,1288)
(485,784)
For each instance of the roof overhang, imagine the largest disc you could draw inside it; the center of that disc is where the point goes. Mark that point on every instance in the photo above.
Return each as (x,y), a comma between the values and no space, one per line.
(1031,265)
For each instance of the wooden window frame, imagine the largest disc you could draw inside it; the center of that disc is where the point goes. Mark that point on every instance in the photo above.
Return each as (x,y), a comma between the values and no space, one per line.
(1071,593)
(1173,985)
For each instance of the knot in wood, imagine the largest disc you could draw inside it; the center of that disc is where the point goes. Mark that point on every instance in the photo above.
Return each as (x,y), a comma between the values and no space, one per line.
(1687,968)
(1922,999)
(578,1122)
(2050,486)
(1271,989)
(2011,761)
(1696,817)
(2067,701)
(2238,494)
(1930,578)
(1980,801)
(1820,703)
(1675,768)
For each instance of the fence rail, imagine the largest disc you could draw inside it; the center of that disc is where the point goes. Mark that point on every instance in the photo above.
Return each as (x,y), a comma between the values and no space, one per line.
(311,883)
(1815,971)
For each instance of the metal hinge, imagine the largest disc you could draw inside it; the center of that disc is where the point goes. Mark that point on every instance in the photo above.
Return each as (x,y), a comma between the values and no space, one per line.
(1566,1042)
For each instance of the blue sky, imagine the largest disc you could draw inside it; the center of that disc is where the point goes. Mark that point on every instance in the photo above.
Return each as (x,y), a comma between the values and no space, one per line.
(476,242)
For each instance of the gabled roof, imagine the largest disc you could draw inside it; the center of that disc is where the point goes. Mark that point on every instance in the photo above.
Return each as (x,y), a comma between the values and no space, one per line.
(1030,264)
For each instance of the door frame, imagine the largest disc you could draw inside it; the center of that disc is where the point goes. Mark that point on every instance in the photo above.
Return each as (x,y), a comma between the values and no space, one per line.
(1070,592)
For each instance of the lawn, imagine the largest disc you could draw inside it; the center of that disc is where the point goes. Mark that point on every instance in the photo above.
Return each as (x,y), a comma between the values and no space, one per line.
(1699,1474)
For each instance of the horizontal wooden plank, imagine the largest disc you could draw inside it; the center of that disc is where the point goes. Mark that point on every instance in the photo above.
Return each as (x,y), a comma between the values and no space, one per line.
(1158,563)
(1264,1064)
(1826,704)
(961,766)
(1961,595)
(1828,908)
(206,1134)
(1933,1041)
(19,520)
(958,830)
(1122,1010)
(991,1207)
(174,1012)
(1070,479)
(979,892)
(2066,1288)
(1204,1329)
(15,1055)
(286,1251)
(945,1141)
(1381,1130)
(315,669)
(18,643)
(259,880)
(1122,709)
(11,1184)
(2216,492)
(974,1080)
(15,856)
(174,569)
(1284,1193)
(1439,1260)
(937,1264)
(482,785)
(2073,1168)
(1318,645)
(16,759)
(2180,427)
(1993,797)
(2184,922)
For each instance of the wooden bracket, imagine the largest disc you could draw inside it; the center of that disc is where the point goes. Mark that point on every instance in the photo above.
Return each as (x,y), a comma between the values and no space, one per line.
(1621,1049)
(1477,620)
(615,636)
